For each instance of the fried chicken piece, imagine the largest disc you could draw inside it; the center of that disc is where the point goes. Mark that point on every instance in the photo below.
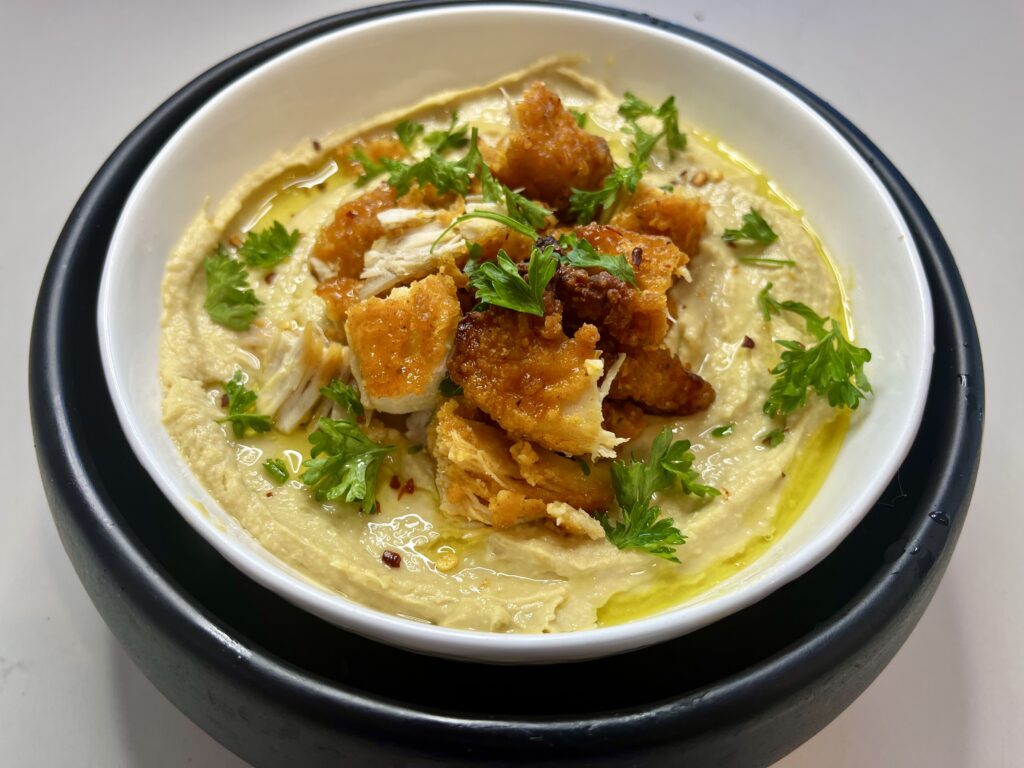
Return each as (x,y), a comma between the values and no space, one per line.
(624,418)
(339,294)
(483,475)
(633,318)
(532,379)
(654,264)
(400,344)
(655,212)
(549,153)
(660,383)
(342,243)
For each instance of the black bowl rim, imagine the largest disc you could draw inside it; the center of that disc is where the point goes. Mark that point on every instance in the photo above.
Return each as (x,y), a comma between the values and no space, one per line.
(879,604)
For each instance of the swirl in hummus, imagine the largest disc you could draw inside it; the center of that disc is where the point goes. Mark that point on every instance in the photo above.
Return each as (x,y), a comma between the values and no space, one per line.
(340,307)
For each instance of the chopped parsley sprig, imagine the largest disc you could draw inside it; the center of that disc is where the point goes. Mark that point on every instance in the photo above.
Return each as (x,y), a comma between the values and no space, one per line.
(230,301)
(407,132)
(833,367)
(276,470)
(635,482)
(580,253)
(345,395)
(754,230)
(498,283)
(241,404)
(633,108)
(344,463)
(269,247)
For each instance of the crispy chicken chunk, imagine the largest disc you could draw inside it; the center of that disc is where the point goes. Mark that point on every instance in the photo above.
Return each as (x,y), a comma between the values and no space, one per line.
(536,382)
(483,475)
(549,154)
(660,383)
(342,243)
(400,344)
(655,212)
(634,318)
(624,418)
(655,263)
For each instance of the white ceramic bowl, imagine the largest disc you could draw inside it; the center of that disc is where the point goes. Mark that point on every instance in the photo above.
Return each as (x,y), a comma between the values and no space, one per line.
(326,84)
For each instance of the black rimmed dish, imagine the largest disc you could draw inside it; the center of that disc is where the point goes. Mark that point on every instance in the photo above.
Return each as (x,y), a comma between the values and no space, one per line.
(276,685)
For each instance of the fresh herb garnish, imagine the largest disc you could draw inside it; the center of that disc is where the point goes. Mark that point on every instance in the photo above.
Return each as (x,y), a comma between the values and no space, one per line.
(770,306)
(269,247)
(241,403)
(450,138)
(344,463)
(755,230)
(635,482)
(579,116)
(633,109)
(445,176)
(372,168)
(408,131)
(345,395)
(522,208)
(774,438)
(229,299)
(277,470)
(584,467)
(833,367)
(449,388)
(580,253)
(723,431)
(498,283)
(585,205)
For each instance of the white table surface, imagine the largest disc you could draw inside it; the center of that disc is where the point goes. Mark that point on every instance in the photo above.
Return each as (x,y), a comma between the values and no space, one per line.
(938,85)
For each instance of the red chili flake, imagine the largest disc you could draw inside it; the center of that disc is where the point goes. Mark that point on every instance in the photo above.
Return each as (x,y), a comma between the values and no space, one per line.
(316,145)
(224,400)
(747,343)
(377,508)
(637,256)
(270,277)
(730,243)
(409,487)
(395,482)
(391,559)
(269,494)
(235,240)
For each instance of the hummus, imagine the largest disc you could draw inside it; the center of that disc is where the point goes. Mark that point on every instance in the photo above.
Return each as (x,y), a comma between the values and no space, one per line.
(454,570)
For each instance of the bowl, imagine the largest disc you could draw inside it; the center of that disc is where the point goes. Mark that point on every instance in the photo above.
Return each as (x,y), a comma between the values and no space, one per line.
(307,91)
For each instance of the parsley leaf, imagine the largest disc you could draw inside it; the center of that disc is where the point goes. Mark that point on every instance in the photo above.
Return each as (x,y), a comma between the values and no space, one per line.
(834,368)
(635,482)
(408,131)
(344,463)
(580,253)
(372,168)
(579,116)
(633,108)
(770,306)
(229,299)
(269,247)
(345,395)
(522,208)
(449,388)
(755,229)
(498,283)
(240,404)
(451,138)
(445,176)
(723,431)
(584,467)
(277,470)
(774,438)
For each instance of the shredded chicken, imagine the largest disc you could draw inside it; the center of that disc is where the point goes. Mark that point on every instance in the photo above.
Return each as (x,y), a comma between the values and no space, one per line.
(549,154)
(297,365)
(655,212)
(536,382)
(482,475)
(400,344)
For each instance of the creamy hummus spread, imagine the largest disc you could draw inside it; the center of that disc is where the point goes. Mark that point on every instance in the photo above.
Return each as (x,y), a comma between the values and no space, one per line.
(484,511)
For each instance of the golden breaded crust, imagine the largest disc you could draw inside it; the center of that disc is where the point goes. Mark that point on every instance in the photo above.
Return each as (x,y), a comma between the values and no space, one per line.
(339,294)
(624,418)
(655,259)
(660,383)
(527,375)
(549,153)
(652,211)
(342,243)
(400,343)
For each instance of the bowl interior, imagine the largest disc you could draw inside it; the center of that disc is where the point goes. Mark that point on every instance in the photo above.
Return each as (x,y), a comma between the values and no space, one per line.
(326,84)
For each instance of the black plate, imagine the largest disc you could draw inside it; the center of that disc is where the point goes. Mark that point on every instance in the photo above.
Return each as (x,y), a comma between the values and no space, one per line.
(278,686)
